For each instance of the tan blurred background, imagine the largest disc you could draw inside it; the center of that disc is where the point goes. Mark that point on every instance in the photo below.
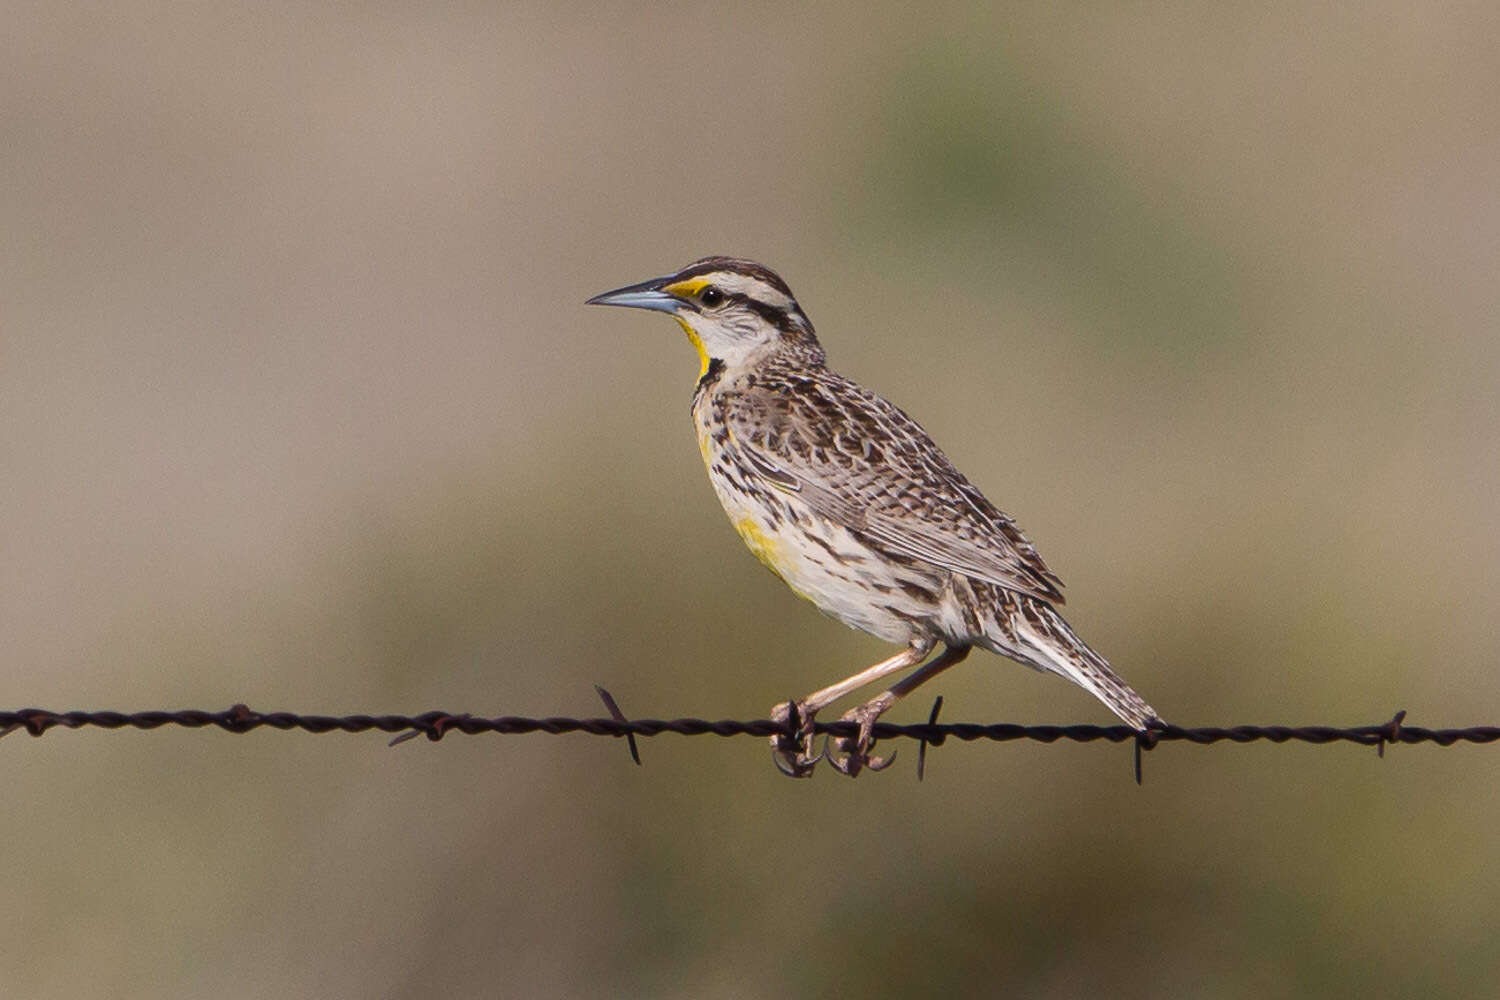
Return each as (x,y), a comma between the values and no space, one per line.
(299,406)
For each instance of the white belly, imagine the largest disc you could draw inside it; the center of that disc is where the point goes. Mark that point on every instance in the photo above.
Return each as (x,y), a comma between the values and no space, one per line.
(828,564)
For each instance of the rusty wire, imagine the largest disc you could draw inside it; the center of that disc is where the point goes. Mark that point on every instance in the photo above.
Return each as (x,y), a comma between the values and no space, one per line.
(436,725)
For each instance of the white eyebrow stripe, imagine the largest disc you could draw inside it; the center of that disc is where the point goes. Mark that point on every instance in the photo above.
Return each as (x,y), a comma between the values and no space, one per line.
(754,288)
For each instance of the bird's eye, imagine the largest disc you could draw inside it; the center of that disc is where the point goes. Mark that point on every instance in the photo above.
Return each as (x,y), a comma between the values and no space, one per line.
(711,296)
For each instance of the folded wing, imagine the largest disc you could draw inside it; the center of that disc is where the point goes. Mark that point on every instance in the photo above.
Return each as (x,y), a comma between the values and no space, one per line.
(868,466)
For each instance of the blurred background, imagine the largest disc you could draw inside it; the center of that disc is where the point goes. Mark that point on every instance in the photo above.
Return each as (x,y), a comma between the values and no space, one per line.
(299,406)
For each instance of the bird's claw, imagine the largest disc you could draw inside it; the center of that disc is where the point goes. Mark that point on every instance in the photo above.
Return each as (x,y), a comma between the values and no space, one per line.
(856,749)
(792,754)
(798,764)
(857,760)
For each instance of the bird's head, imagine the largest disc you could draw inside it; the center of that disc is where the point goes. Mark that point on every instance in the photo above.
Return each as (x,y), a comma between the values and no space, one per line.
(734,311)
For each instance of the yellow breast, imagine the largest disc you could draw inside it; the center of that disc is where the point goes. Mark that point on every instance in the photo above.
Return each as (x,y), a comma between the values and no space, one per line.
(767,549)
(776,554)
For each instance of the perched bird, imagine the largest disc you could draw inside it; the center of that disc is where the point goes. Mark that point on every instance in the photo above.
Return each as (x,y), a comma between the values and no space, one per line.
(847,500)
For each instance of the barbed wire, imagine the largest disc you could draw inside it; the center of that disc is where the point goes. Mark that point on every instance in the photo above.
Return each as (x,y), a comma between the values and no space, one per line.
(435,725)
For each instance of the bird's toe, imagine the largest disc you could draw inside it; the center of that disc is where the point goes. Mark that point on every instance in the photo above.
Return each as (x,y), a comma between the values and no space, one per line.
(856,748)
(791,748)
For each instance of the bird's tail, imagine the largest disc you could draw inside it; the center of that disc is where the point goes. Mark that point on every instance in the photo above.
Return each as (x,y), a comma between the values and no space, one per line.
(1033,632)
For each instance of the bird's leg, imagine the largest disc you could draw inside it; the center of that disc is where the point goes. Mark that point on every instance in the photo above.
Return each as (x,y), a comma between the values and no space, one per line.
(858,747)
(793,755)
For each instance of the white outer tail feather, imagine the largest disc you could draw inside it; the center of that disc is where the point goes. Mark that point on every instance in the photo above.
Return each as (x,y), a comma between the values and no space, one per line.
(1044,640)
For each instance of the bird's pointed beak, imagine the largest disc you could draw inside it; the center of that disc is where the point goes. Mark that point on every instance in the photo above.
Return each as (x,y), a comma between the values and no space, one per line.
(646,295)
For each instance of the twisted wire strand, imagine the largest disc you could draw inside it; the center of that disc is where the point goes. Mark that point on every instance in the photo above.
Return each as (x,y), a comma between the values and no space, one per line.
(435,725)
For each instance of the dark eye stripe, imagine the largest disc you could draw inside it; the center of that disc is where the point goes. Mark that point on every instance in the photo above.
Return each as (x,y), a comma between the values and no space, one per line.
(779,318)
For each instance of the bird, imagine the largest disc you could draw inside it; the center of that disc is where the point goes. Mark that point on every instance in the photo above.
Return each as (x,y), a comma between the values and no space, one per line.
(854,506)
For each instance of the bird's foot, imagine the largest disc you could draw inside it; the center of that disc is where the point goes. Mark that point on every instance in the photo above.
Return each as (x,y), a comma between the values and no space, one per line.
(793,754)
(856,749)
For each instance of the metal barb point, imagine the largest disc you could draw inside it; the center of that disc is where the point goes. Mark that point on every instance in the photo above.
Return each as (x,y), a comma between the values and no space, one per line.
(1147,739)
(433,725)
(619,716)
(1390,733)
(240,718)
(937,706)
(790,737)
(447,722)
(38,721)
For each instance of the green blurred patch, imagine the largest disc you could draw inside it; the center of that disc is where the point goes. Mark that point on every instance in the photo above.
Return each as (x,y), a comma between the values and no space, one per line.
(967,159)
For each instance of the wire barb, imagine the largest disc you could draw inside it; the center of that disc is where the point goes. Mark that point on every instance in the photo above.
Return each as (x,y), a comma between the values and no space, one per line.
(619,716)
(936,740)
(1390,733)
(1145,739)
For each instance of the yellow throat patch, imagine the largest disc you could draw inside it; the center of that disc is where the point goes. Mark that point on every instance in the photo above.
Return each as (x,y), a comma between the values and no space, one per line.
(697,343)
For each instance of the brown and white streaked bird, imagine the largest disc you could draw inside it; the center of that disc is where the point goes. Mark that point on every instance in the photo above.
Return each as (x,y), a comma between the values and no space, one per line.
(847,500)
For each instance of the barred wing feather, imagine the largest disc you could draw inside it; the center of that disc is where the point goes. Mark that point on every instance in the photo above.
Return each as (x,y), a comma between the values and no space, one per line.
(874,470)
